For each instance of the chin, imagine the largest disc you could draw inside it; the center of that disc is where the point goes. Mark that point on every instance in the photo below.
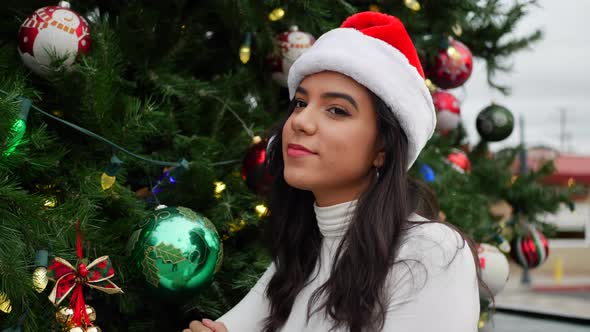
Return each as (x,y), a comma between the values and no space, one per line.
(297,179)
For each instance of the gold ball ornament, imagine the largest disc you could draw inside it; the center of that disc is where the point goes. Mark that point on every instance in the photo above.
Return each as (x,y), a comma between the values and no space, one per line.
(75,329)
(81,329)
(64,314)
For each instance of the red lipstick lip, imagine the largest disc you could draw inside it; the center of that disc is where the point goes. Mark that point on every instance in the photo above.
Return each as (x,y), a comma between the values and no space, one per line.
(299,147)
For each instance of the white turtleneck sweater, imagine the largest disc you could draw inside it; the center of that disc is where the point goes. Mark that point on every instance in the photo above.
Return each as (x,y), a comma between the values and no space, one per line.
(440,294)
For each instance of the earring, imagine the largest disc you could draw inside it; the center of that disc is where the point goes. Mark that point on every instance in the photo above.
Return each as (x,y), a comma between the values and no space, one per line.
(377,170)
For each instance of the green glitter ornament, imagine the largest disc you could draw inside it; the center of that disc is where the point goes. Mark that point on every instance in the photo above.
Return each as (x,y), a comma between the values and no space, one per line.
(177,250)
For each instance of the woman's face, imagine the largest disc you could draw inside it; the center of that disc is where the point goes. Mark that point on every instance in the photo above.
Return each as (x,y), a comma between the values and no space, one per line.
(330,139)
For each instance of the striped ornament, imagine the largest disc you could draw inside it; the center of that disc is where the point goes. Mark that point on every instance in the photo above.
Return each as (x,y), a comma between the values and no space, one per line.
(530,250)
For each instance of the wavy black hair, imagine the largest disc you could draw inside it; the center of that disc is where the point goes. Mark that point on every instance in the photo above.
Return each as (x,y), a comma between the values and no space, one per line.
(352,297)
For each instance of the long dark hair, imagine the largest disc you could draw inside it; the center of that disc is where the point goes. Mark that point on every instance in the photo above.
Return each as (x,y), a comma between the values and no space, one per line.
(352,297)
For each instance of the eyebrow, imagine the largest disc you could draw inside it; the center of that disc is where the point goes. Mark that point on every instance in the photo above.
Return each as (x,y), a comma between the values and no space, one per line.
(332,95)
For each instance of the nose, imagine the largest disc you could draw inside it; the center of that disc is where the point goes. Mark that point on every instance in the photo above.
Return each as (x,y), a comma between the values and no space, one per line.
(304,120)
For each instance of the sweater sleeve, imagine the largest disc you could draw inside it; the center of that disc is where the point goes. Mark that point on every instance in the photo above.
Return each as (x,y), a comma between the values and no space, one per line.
(249,314)
(435,288)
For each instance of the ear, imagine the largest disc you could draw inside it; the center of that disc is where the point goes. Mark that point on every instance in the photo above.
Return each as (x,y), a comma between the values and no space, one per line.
(379,159)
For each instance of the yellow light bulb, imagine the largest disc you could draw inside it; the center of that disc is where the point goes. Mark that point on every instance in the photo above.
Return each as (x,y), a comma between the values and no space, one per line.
(219,188)
(414,5)
(58,113)
(245,54)
(276,14)
(40,279)
(256,139)
(107,181)
(261,209)
(457,30)
(481,324)
(431,87)
(5,303)
(236,227)
(50,202)
(374,8)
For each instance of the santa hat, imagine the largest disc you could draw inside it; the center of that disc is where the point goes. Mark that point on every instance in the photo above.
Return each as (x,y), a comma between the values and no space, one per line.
(375,50)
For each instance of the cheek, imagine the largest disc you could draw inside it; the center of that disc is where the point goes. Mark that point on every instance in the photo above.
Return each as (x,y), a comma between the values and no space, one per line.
(349,148)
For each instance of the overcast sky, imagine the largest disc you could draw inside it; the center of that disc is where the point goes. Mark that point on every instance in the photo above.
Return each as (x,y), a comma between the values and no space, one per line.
(553,75)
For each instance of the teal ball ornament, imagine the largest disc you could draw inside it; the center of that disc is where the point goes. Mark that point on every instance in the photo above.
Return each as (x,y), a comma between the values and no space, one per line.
(177,250)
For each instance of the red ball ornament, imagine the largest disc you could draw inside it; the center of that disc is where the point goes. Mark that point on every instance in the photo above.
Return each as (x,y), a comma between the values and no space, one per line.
(459,161)
(532,249)
(448,111)
(291,45)
(452,66)
(52,33)
(254,170)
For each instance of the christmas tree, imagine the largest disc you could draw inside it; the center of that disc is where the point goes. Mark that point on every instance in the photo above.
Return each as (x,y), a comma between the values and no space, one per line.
(111,110)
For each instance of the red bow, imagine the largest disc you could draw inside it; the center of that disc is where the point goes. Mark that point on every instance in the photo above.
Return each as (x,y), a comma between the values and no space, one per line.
(68,279)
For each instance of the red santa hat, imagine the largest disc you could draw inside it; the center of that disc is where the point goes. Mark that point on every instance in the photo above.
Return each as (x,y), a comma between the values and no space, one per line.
(375,50)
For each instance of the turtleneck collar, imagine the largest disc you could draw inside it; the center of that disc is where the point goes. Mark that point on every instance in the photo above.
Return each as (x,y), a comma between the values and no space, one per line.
(334,220)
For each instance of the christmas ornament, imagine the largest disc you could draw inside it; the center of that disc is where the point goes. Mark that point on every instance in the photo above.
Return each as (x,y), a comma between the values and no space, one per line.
(18,128)
(494,269)
(177,249)
(495,123)
(291,45)
(53,33)
(459,161)
(254,170)
(51,194)
(5,305)
(532,249)
(448,111)
(40,279)
(427,173)
(70,280)
(452,66)
(64,315)
(93,328)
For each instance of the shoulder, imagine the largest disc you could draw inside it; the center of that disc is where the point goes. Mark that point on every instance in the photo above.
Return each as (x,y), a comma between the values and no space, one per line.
(431,253)
(434,264)
(431,241)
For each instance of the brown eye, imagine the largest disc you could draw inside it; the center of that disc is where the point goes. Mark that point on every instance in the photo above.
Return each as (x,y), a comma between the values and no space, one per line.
(300,103)
(338,111)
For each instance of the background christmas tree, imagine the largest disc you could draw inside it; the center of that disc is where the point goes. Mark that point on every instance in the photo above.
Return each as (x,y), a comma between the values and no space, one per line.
(173,101)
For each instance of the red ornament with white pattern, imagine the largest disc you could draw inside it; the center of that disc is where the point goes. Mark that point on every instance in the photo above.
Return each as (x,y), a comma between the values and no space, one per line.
(448,111)
(52,33)
(291,44)
(459,161)
(531,249)
(452,66)
(495,269)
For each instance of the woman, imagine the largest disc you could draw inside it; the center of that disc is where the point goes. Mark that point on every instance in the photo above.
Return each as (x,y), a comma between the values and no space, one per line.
(349,251)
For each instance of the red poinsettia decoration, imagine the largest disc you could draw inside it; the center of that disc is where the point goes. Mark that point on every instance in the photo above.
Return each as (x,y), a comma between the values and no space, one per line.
(70,280)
